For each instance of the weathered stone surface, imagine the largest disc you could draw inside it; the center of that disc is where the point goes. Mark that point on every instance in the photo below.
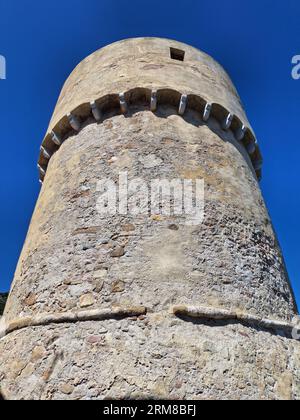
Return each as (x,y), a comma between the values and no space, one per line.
(76,258)
(157,357)
(146,62)
(231,260)
(118,252)
(66,389)
(87,300)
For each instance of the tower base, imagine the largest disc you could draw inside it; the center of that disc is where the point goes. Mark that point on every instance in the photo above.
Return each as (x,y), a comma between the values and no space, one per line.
(153,356)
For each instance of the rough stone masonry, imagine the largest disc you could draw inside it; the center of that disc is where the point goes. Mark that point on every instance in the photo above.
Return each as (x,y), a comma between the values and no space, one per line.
(145,306)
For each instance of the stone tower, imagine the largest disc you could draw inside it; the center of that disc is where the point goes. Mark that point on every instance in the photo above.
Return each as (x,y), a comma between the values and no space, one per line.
(146,305)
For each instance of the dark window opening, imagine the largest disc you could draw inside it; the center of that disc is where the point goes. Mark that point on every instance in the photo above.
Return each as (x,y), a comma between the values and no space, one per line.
(177,54)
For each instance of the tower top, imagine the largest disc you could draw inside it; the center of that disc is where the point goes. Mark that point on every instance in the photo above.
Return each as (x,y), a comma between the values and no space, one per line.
(137,67)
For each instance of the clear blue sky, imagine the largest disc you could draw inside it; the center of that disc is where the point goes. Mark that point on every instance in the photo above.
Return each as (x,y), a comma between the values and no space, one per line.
(43,41)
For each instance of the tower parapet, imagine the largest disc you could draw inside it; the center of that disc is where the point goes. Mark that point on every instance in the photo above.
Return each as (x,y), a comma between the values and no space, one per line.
(169,76)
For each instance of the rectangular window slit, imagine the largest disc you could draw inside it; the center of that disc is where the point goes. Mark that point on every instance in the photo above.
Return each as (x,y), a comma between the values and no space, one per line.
(177,54)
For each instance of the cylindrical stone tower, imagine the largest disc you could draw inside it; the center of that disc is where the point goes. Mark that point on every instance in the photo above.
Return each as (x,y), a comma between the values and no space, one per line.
(145,305)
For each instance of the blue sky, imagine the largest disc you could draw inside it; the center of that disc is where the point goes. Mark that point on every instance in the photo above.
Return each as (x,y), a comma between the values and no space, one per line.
(44,40)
